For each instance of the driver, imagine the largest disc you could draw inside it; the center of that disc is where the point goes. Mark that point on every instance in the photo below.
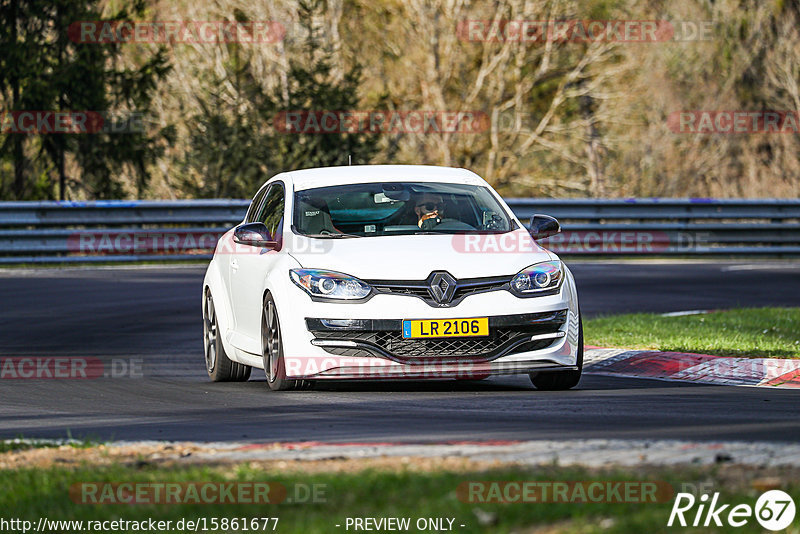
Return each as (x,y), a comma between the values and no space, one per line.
(429,208)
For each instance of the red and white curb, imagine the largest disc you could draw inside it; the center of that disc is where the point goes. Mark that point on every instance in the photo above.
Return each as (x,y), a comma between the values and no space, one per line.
(699,368)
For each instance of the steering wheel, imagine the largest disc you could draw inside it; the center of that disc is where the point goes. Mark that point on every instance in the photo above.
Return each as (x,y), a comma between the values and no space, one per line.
(453,224)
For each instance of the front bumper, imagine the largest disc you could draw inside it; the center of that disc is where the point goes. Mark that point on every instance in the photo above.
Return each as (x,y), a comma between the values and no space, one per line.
(351,341)
(369,369)
(508,334)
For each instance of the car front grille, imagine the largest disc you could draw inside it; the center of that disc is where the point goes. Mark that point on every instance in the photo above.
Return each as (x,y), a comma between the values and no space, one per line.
(416,291)
(421,288)
(509,335)
(394,343)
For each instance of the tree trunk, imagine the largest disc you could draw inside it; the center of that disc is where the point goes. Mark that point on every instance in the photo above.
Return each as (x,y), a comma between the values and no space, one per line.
(593,149)
(19,154)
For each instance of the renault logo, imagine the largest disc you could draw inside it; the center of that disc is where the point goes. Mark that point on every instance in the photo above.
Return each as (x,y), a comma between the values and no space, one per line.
(442,287)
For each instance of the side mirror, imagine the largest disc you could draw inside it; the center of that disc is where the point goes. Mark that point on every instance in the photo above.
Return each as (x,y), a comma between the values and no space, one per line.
(254,234)
(543,226)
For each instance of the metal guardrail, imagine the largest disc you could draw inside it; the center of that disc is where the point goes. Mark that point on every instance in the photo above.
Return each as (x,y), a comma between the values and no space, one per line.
(118,231)
(111,213)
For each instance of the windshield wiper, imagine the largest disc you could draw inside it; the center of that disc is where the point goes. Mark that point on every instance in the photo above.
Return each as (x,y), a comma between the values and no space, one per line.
(331,235)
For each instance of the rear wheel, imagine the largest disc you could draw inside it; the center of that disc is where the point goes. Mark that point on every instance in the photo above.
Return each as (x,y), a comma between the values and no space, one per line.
(272,350)
(560,380)
(220,368)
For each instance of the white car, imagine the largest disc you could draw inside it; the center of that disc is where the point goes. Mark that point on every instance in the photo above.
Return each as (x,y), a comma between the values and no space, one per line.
(386,272)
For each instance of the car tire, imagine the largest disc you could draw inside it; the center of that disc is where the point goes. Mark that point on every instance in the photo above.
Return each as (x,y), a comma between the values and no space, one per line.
(272,350)
(561,380)
(219,367)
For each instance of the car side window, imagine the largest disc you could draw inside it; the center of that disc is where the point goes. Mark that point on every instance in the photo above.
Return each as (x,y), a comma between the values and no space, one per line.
(255,204)
(271,213)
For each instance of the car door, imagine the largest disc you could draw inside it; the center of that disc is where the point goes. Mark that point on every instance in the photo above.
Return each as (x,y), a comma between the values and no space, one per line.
(229,249)
(249,267)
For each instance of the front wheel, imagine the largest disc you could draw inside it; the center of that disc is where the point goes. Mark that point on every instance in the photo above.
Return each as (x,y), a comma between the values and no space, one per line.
(220,368)
(272,350)
(561,380)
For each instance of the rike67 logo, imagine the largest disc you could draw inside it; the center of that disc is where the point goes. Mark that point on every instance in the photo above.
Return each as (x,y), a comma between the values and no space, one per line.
(774,510)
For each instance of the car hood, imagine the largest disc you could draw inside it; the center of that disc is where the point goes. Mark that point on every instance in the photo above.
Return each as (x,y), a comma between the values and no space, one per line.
(414,257)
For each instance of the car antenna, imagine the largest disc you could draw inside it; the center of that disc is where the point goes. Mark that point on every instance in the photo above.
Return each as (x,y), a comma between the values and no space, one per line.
(349,159)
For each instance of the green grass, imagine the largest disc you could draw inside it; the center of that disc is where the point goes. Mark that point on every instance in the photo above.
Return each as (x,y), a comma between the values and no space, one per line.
(23,444)
(9,445)
(32,493)
(757,332)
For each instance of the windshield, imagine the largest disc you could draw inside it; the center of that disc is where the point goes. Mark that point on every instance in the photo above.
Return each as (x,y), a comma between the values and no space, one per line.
(397,208)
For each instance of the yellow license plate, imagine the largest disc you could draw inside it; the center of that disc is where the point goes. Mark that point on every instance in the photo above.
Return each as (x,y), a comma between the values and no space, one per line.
(475,326)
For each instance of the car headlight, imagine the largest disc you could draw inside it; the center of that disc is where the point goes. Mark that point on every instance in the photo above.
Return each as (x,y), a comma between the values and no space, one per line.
(545,276)
(329,284)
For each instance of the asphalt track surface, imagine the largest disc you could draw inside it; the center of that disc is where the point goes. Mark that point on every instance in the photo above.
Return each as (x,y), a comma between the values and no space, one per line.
(150,316)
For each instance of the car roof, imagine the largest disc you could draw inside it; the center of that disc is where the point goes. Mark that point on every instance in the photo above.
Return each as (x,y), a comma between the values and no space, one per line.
(353,174)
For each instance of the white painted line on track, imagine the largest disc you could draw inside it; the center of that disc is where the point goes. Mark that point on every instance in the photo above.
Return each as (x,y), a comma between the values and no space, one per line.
(761,267)
(684,313)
